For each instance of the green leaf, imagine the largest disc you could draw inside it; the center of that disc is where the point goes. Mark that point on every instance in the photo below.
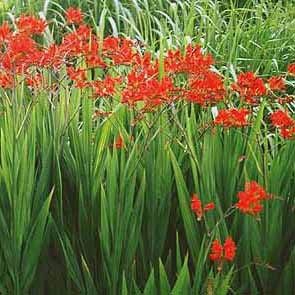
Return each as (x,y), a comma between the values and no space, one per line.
(150,287)
(34,244)
(164,282)
(182,285)
(184,204)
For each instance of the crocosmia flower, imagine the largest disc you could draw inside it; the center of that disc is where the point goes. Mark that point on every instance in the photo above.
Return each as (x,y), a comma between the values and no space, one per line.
(277,83)
(288,133)
(197,208)
(281,119)
(232,118)
(30,24)
(229,249)
(220,253)
(5,32)
(249,87)
(119,142)
(74,16)
(250,199)
(216,250)
(291,69)
(209,206)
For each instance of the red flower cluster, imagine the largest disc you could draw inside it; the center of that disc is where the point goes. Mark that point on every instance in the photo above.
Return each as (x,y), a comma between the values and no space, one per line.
(288,133)
(74,16)
(276,83)
(150,90)
(250,199)
(197,208)
(5,32)
(121,51)
(204,86)
(282,120)
(232,118)
(30,25)
(206,89)
(221,253)
(192,62)
(119,142)
(249,87)
(78,76)
(106,87)
(291,69)
(92,63)
(35,81)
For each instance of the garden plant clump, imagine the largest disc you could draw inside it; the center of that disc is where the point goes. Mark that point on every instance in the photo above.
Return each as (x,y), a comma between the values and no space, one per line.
(136,168)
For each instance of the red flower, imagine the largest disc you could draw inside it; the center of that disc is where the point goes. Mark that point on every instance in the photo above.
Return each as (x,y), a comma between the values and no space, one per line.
(232,118)
(220,253)
(291,69)
(216,250)
(249,87)
(281,119)
(209,206)
(250,200)
(78,76)
(288,133)
(5,32)
(196,206)
(34,81)
(119,50)
(148,89)
(6,81)
(74,16)
(206,89)
(119,142)
(276,83)
(194,62)
(229,249)
(30,25)
(106,87)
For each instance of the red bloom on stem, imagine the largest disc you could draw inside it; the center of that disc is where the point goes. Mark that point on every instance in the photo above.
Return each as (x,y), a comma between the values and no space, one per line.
(229,249)
(291,69)
(119,50)
(206,89)
(193,62)
(250,199)
(6,80)
(106,87)
(216,250)
(196,206)
(220,253)
(30,24)
(281,119)
(34,82)
(288,133)
(119,142)
(232,118)
(249,87)
(277,83)
(148,89)
(74,16)
(78,76)
(209,206)
(5,32)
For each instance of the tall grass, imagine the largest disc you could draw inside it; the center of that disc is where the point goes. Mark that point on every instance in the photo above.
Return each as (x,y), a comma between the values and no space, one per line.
(79,216)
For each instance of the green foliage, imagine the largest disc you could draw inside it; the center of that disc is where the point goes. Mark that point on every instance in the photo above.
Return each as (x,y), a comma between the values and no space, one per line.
(79,214)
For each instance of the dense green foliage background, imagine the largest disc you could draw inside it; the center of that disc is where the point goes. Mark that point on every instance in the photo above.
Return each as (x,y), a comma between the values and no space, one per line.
(79,217)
